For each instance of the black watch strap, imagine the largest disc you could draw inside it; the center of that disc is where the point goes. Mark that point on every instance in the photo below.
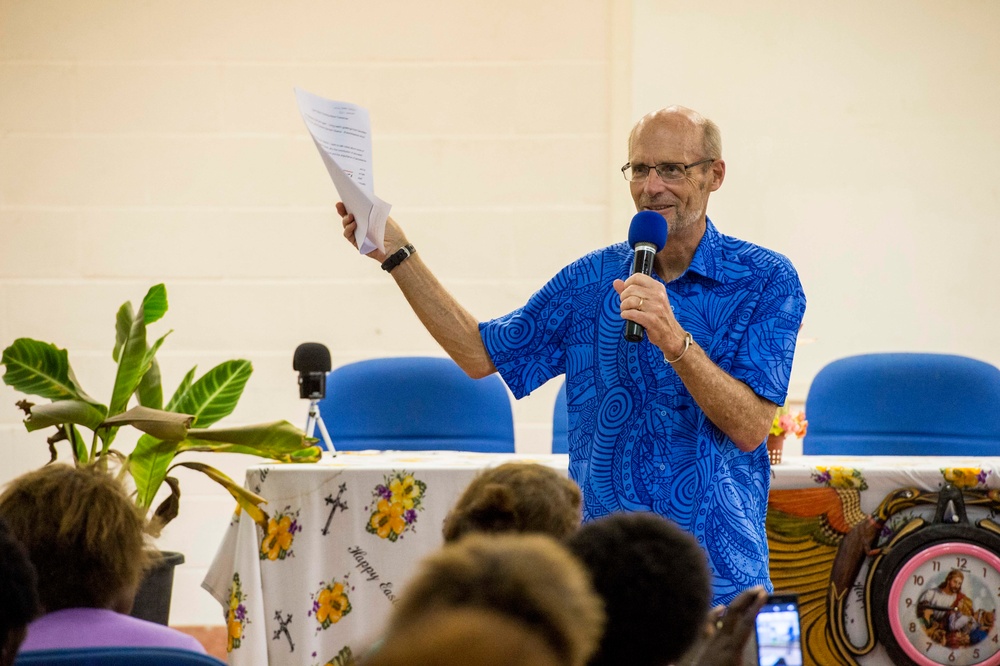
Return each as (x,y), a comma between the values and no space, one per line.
(398,257)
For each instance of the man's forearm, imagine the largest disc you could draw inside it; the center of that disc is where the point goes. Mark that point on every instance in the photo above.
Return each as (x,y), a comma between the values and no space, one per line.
(454,328)
(730,404)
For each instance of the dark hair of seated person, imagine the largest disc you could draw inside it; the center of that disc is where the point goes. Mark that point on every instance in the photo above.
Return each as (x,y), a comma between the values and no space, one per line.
(516,497)
(464,637)
(18,594)
(83,534)
(655,582)
(531,578)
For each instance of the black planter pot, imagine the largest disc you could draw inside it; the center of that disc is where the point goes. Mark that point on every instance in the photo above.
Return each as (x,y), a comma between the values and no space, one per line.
(152,600)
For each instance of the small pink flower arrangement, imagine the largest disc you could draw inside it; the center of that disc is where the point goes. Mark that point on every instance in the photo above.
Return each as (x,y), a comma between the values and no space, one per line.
(787,422)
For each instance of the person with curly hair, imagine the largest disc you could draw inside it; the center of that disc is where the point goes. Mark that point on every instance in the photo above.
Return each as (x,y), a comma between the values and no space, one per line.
(85,538)
(529,578)
(19,594)
(655,583)
(516,497)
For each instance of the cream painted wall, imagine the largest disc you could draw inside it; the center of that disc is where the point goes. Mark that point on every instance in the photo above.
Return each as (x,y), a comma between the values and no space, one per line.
(148,142)
(861,141)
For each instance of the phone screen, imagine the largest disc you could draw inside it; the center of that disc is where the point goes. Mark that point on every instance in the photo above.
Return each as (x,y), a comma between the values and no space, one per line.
(779,636)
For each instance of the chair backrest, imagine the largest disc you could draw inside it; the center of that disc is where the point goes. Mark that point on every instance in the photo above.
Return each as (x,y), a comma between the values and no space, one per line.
(904,404)
(560,423)
(416,403)
(116,656)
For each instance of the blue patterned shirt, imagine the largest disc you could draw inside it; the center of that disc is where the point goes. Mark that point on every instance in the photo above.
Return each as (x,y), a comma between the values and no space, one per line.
(637,439)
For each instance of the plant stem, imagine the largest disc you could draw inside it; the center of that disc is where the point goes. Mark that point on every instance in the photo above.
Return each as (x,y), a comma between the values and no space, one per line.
(93,447)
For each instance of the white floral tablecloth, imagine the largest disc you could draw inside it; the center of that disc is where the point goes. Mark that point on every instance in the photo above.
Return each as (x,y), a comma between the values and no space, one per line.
(346,533)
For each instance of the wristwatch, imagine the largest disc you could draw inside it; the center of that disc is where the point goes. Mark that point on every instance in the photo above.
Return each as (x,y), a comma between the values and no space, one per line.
(398,257)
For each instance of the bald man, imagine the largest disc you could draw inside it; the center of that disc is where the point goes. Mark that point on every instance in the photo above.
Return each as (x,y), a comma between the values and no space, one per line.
(672,424)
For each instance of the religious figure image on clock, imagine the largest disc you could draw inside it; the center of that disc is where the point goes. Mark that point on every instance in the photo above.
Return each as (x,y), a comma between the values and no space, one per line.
(948,615)
(942,605)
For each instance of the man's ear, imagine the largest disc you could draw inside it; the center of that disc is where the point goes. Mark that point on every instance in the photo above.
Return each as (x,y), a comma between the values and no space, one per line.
(718,174)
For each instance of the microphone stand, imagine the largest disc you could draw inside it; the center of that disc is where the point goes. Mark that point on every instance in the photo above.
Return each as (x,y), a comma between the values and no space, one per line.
(314,419)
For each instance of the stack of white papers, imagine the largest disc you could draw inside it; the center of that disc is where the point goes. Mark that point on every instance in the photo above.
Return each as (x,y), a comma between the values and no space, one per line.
(342,134)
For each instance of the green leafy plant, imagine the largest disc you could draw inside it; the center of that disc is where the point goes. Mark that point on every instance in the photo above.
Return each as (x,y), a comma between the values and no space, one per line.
(182,425)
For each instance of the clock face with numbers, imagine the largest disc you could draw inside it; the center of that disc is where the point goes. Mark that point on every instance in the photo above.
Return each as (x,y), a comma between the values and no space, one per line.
(937,597)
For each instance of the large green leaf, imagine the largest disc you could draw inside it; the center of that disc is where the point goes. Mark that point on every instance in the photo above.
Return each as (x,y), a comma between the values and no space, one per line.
(80,452)
(123,324)
(148,464)
(181,391)
(279,440)
(156,422)
(64,412)
(150,391)
(248,500)
(131,368)
(215,394)
(42,369)
(154,303)
(154,306)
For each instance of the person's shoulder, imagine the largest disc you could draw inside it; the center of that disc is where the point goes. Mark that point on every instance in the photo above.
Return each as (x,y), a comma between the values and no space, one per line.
(157,635)
(600,260)
(760,258)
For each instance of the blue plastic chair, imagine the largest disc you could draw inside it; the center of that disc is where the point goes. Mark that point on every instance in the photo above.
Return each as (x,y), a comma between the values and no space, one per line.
(560,423)
(904,404)
(116,656)
(416,403)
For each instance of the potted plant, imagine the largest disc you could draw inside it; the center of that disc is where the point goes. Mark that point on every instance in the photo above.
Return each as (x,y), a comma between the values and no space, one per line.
(786,422)
(181,425)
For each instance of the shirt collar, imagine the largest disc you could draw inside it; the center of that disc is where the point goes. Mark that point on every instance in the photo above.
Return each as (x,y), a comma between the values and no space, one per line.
(709,261)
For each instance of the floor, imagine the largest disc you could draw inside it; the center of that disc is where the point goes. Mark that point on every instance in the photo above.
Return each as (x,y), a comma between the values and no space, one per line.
(212,637)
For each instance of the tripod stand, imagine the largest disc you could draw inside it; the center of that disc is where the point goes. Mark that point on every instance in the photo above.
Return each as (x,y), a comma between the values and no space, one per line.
(314,419)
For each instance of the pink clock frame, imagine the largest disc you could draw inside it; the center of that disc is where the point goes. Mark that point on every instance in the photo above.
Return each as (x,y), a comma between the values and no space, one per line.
(896,591)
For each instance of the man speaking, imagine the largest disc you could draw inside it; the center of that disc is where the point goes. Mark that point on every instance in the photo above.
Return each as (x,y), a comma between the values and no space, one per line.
(672,423)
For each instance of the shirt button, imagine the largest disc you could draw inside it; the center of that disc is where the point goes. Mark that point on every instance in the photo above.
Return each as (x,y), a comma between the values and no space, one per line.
(663,412)
(662,467)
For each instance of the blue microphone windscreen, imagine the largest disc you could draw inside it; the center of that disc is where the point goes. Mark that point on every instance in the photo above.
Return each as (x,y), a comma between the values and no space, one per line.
(648,227)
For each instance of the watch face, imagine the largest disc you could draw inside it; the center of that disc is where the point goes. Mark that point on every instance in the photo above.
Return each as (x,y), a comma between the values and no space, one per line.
(942,605)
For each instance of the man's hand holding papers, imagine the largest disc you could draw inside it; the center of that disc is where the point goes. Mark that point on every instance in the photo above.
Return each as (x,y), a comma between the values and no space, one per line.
(342,134)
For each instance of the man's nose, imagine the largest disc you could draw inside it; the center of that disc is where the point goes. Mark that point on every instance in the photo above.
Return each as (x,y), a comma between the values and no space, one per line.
(653,183)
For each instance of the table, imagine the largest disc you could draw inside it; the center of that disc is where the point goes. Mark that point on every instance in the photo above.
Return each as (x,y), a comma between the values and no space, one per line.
(339,547)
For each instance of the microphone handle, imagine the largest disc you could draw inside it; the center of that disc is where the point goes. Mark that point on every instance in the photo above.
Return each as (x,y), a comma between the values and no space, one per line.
(643,263)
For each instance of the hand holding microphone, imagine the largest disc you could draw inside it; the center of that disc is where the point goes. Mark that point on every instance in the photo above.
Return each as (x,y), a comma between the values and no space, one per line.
(647,234)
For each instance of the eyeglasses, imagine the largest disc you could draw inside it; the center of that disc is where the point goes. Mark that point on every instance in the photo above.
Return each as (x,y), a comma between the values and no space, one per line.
(636,173)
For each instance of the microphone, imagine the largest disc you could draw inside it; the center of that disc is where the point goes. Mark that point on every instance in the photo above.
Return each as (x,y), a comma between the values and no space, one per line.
(312,360)
(647,235)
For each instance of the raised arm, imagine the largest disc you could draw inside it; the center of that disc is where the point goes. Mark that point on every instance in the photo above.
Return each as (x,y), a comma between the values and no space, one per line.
(454,328)
(730,404)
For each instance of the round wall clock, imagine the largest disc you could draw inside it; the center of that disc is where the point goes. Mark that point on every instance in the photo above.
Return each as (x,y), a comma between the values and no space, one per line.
(936,592)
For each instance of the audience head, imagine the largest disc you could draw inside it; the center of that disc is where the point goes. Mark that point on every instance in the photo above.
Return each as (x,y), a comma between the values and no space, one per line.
(516,497)
(530,578)
(464,637)
(83,534)
(17,590)
(655,582)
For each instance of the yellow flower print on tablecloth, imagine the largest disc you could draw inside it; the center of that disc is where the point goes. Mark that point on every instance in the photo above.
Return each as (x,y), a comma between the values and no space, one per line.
(281,530)
(331,603)
(966,477)
(840,477)
(396,502)
(236,615)
(343,658)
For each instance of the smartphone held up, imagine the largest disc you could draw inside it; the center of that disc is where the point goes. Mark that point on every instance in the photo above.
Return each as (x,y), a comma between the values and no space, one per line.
(779,635)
